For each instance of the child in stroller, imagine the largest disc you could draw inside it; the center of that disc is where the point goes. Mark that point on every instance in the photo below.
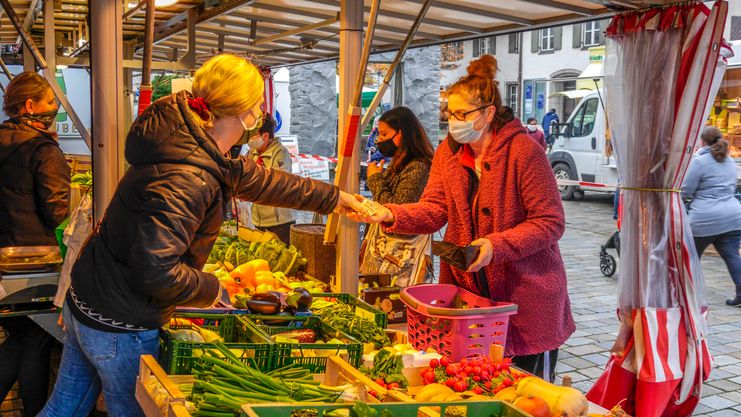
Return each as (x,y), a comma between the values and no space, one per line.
(607,263)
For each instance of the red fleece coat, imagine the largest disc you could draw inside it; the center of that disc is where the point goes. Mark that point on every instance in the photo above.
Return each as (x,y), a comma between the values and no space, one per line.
(520,212)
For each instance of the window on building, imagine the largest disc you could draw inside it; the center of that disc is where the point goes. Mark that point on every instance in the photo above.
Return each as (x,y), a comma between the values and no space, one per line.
(512,96)
(514,43)
(583,122)
(735,28)
(591,33)
(484,46)
(546,39)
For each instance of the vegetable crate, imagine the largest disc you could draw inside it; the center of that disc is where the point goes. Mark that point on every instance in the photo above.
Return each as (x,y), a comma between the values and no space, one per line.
(309,355)
(177,357)
(455,322)
(458,409)
(362,308)
(158,394)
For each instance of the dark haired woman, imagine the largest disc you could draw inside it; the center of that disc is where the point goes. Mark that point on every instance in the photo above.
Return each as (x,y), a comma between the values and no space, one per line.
(402,138)
(34,200)
(493,187)
(715,213)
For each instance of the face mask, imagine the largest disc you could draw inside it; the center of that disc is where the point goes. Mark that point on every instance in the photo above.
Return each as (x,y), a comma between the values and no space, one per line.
(249,133)
(255,143)
(463,131)
(532,128)
(253,127)
(45,118)
(387,148)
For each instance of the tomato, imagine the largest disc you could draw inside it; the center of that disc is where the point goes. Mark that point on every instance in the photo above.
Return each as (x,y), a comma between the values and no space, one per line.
(393,385)
(478,391)
(450,371)
(430,377)
(459,386)
(477,370)
(434,363)
(373,393)
(487,384)
(380,382)
(464,362)
(450,382)
(476,378)
(468,369)
(444,362)
(507,382)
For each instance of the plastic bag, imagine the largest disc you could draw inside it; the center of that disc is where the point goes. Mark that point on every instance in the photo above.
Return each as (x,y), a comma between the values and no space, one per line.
(79,228)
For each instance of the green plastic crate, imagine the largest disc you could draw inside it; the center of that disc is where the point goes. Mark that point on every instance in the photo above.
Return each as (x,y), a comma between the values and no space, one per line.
(457,409)
(177,358)
(285,354)
(362,308)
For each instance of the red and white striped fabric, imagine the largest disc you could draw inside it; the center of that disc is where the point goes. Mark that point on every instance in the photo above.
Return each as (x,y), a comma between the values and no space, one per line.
(660,74)
(269,94)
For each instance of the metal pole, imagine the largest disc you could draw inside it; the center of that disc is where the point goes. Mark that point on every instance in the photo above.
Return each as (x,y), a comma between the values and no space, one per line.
(25,37)
(145,89)
(390,73)
(6,70)
(50,49)
(106,64)
(348,243)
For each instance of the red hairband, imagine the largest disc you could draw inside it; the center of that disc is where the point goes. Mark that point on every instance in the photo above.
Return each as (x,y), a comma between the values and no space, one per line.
(199,106)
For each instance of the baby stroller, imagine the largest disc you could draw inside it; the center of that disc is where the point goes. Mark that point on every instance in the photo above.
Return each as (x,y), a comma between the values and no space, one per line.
(607,262)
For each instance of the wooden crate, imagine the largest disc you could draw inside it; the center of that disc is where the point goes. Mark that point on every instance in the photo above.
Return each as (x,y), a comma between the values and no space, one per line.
(172,404)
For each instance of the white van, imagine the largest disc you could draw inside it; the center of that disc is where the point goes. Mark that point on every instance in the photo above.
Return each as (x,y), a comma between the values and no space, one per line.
(581,152)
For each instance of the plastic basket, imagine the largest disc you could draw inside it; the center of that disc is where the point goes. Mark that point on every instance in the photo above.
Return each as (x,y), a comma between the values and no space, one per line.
(362,308)
(178,358)
(455,322)
(460,409)
(285,354)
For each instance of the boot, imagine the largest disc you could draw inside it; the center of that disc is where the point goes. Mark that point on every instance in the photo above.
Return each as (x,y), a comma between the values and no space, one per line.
(734,302)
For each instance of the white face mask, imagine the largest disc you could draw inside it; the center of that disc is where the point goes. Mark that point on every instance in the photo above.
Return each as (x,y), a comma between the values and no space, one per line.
(254,125)
(463,131)
(532,128)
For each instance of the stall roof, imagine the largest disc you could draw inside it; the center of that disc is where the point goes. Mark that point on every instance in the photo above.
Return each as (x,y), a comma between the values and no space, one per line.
(288,32)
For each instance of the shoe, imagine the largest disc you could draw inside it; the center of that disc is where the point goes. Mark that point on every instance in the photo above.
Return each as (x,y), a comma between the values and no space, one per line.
(736,302)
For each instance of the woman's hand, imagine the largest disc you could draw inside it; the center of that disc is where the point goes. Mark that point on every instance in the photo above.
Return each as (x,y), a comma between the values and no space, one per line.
(486,252)
(379,214)
(347,204)
(374,169)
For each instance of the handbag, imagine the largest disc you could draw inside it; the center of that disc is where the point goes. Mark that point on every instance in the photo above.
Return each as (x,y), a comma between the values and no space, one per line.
(404,258)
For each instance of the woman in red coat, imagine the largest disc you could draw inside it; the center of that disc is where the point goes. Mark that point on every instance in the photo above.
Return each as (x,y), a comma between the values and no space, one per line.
(492,185)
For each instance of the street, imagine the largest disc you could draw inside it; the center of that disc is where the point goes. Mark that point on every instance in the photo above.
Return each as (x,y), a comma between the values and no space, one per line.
(589,224)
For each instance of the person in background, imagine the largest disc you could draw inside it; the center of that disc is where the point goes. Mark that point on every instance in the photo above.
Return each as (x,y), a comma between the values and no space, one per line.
(714,211)
(401,138)
(146,255)
(549,118)
(267,151)
(493,187)
(34,200)
(535,133)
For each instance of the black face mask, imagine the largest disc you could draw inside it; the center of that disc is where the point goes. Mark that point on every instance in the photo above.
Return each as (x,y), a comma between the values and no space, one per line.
(46,118)
(387,148)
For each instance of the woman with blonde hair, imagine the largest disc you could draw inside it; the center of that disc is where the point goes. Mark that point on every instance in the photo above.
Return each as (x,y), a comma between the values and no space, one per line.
(146,256)
(493,187)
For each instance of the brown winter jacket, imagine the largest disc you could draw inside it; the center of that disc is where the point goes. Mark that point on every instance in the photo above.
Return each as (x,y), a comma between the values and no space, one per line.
(34,186)
(146,255)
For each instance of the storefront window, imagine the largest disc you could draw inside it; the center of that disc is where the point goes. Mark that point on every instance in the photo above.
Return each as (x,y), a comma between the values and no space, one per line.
(725,112)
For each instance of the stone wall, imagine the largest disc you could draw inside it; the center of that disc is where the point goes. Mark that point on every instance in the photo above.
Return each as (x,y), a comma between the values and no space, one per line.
(314,98)
(314,107)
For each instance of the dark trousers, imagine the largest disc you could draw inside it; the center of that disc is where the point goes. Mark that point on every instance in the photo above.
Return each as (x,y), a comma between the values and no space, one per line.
(727,245)
(283,231)
(25,357)
(534,364)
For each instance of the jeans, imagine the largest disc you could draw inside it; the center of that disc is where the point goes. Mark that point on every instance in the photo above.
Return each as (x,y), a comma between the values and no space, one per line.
(727,246)
(93,360)
(25,357)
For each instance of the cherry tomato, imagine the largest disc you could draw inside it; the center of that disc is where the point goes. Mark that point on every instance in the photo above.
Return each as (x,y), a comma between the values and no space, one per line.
(477,370)
(430,377)
(459,386)
(487,384)
(485,375)
(380,382)
(434,363)
(468,369)
(476,378)
(373,393)
(450,371)
(444,362)
(450,382)
(507,382)
(393,385)
(464,362)
(478,391)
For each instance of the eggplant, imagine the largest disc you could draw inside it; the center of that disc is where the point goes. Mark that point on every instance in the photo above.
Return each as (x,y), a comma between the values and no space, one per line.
(264,303)
(299,299)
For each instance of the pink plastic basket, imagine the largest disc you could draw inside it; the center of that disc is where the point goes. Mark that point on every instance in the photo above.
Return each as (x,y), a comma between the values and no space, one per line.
(454,322)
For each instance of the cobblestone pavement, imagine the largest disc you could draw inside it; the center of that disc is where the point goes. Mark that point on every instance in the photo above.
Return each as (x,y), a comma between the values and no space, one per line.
(593,299)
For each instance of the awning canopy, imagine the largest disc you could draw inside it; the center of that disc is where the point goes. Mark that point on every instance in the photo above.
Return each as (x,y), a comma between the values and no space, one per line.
(286,32)
(573,94)
(594,70)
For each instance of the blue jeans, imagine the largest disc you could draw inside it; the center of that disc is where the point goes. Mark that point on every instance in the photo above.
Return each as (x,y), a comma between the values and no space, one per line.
(727,246)
(93,360)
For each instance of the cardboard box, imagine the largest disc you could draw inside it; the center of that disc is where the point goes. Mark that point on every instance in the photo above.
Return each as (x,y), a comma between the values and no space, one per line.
(387,300)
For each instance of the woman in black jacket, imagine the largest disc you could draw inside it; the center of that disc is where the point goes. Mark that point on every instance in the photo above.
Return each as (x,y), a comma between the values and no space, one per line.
(34,200)
(147,254)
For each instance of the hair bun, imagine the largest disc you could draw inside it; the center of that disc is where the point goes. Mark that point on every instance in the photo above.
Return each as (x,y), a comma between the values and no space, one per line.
(484,67)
